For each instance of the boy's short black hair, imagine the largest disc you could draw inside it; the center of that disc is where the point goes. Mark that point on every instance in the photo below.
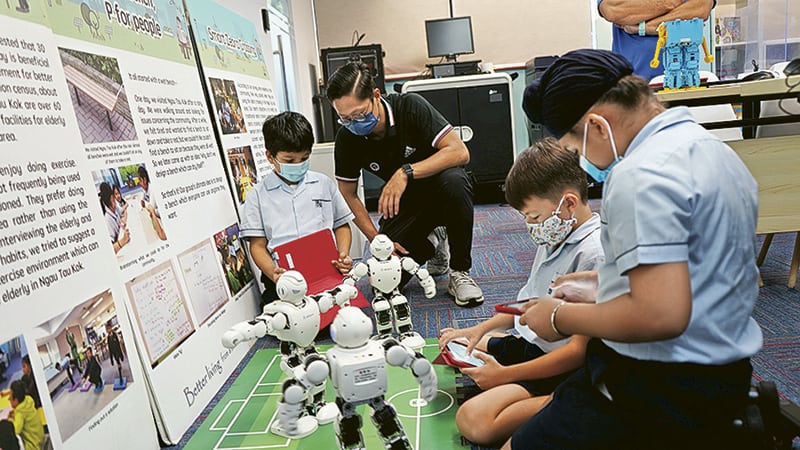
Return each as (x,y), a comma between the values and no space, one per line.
(353,77)
(545,170)
(18,391)
(287,132)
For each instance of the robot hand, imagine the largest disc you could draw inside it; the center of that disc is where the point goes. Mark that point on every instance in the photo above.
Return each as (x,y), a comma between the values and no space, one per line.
(343,293)
(427,282)
(340,295)
(254,329)
(402,356)
(358,272)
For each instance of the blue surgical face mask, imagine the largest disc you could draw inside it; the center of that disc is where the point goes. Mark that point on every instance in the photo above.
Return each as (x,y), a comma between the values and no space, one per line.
(363,127)
(595,172)
(294,172)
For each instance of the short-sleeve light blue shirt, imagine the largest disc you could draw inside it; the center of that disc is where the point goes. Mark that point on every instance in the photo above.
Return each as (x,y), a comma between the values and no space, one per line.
(680,194)
(580,251)
(282,213)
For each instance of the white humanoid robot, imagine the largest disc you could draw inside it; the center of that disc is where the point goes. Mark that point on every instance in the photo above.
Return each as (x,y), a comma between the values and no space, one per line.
(358,373)
(294,320)
(391,308)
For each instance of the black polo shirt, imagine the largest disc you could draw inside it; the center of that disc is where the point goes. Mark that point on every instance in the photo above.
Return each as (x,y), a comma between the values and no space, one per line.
(414,128)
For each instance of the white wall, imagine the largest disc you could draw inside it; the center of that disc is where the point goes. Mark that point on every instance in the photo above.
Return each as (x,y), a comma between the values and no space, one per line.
(306,53)
(505,31)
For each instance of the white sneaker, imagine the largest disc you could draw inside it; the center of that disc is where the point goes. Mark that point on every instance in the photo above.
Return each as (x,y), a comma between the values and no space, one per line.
(464,289)
(440,263)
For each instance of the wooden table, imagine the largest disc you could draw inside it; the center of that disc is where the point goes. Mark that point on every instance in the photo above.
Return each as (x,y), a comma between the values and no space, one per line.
(774,162)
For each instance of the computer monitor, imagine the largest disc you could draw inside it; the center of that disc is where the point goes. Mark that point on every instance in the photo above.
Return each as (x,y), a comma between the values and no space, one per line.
(371,55)
(449,37)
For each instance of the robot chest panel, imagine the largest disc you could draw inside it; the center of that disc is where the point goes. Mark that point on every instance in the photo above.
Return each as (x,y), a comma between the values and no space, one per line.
(359,376)
(385,275)
(303,323)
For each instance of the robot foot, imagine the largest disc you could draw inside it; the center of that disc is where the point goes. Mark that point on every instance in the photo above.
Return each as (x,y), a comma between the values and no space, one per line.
(327,413)
(305,426)
(412,340)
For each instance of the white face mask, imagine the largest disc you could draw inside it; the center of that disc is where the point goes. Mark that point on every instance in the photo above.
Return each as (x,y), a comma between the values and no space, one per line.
(553,230)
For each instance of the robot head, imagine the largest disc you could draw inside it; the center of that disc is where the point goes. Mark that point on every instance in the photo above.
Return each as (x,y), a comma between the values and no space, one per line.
(351,328)
(291,287)
(381,247)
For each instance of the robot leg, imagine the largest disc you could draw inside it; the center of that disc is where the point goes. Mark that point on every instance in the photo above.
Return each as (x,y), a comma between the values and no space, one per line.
(348,427)
(383,316)
(385,419)
(292,423)
(405,329)
(289,358)
(315,375)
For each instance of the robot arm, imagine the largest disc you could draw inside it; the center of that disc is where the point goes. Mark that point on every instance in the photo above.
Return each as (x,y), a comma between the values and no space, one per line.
(402,356)
(340,295)
(709,58)
(358,272)
(662,41)
(425,279)
(254,329)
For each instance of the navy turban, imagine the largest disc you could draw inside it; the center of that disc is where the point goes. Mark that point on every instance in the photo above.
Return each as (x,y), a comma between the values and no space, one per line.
(570,86)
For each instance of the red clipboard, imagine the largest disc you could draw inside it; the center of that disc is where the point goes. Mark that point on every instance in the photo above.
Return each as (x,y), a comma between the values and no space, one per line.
(512,307)
(311,255)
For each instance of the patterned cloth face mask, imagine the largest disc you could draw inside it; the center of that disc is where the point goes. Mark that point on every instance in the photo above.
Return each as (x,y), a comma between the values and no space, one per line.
(553,230)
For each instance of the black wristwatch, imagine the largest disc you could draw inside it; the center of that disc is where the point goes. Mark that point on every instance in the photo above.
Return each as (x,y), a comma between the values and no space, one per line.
(408,170)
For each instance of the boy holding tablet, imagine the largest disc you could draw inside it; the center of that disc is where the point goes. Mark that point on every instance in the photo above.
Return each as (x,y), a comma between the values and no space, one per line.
(548,187)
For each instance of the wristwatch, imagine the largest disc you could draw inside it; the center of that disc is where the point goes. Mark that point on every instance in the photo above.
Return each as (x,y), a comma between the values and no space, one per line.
(408,170)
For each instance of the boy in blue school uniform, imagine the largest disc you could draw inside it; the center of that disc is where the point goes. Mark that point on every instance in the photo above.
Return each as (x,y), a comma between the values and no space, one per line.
(291,201)
(549,189)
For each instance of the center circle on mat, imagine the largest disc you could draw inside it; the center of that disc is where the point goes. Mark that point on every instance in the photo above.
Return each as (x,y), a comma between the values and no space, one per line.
(408,404)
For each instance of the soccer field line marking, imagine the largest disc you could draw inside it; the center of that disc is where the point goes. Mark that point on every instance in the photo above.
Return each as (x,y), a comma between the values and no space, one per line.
(435,413)
(226,431)
(419,419)
(255,447)
(213,426)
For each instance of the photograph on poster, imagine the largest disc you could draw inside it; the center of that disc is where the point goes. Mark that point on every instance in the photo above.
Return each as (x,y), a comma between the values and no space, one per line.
(85,361)
(130,210)
(233,258)
(229,111)
(160,311)
(204,280)
(243,170)
(20,402)
(98,97)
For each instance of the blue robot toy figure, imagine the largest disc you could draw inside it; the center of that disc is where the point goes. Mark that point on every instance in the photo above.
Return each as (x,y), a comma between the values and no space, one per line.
(681,41)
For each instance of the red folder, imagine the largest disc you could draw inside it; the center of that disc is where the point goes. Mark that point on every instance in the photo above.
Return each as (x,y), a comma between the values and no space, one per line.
(311,255)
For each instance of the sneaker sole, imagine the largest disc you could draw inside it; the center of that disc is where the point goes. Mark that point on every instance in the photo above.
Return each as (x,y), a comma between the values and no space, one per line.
(468,302)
